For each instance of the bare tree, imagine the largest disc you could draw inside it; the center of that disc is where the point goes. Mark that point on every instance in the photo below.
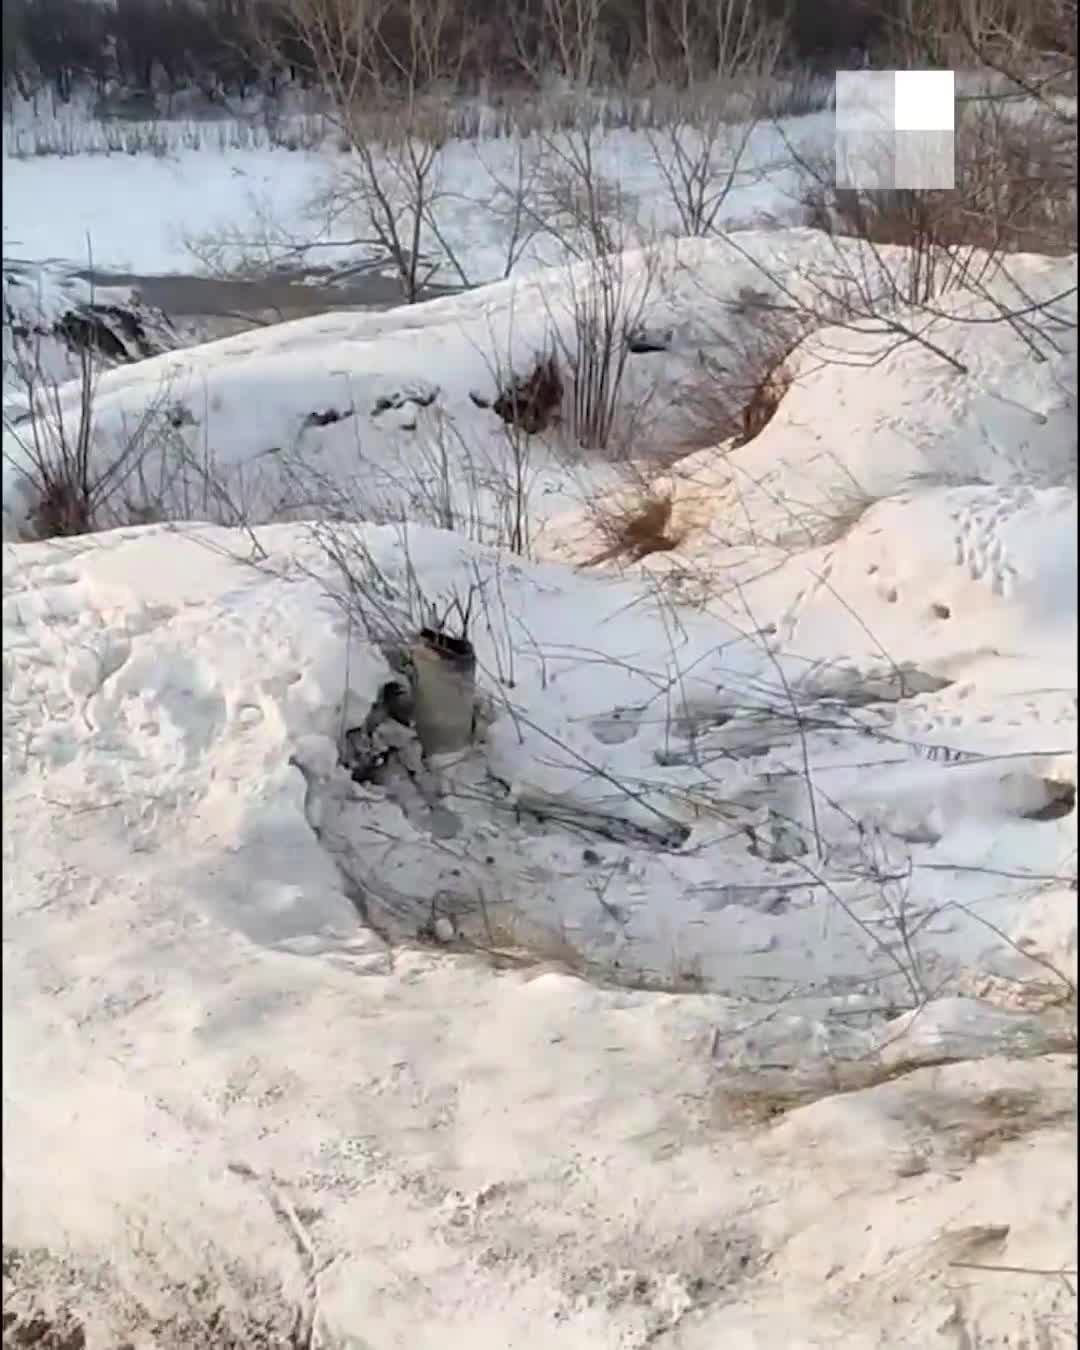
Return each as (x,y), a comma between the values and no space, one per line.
(383,69)
(725,55)
(1031,44)
(69,484)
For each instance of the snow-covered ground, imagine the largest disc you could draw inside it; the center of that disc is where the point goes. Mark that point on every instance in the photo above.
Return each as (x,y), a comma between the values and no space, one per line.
(722,993)
(221,1089)
(496,206)
(64,211)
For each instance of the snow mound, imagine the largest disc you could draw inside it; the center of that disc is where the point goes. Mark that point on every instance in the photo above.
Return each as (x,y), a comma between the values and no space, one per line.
(638,762)
(388,1139)
(882,408)
(393,411)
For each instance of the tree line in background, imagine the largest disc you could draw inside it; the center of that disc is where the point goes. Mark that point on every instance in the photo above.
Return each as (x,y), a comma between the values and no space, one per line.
(231,48)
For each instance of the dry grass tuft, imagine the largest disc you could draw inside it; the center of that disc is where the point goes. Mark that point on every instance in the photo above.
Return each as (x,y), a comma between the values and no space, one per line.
(635,527)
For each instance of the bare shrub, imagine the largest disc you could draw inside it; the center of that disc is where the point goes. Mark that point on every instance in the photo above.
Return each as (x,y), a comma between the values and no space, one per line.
(697,150)
(69,486)
(386,104)
(510,202)
(1015,191)
(575,203)
(558,192)
(603,308)
(1031,44)
(1015,186)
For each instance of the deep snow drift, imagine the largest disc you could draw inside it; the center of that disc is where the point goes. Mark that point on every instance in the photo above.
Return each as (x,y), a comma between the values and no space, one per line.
(820,785)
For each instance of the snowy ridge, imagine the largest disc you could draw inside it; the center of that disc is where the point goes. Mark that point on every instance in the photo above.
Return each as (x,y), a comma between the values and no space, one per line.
(379,404)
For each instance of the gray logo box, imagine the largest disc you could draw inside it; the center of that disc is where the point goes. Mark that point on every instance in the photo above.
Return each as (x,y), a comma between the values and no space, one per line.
(895,129)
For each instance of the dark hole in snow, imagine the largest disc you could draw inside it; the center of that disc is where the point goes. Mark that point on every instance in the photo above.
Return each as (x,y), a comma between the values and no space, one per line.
(1061,801)
(941,611)
(642,342)
(326,418)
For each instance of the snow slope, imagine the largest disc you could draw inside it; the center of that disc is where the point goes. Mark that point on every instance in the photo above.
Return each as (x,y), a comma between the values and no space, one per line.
(879,405)
(393,394)
(381,405)
(820,790)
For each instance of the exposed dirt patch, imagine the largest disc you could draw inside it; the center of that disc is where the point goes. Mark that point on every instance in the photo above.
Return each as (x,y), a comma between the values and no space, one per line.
(636,529)
(43,1333)
(38,1289)
(116,333)
(533,404)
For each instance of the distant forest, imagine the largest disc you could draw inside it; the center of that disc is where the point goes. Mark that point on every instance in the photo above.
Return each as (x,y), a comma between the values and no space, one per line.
(148,47)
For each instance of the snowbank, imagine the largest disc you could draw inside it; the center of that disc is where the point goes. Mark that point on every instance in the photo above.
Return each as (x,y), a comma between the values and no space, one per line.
(886,407)
(408,1146)
(804,818)
(385,409)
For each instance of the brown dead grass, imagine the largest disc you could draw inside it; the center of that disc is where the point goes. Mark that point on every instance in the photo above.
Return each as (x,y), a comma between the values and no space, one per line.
(534,403)
(634,526)
(763,402)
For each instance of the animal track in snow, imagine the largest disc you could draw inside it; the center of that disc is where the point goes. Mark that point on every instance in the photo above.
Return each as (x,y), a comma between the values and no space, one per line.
(944,718)
(616,727)
(791,618)
(978,543)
